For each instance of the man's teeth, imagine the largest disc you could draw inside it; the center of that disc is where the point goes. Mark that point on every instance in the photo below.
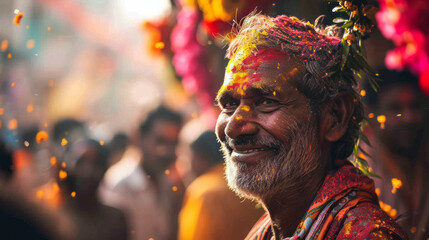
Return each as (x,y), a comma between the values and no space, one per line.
(252,150)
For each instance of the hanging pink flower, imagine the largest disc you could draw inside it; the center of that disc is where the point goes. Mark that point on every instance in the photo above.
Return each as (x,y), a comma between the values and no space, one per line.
(405,22)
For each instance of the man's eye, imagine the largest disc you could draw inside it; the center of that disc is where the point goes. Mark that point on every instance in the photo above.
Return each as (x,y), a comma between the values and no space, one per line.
(229,105)
(267,105)
(266,101)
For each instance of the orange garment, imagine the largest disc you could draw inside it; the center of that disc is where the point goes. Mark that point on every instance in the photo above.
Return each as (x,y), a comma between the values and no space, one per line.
(212,211)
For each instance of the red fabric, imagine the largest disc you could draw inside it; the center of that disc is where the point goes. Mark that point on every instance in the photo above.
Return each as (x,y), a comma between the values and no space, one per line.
(352,212)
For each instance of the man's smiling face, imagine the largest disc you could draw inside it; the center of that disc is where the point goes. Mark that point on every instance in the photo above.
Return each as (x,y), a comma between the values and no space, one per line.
(267,130)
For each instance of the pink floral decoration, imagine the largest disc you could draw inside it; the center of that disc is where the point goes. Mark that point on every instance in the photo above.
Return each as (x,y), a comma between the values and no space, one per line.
(190,61)
(406,23)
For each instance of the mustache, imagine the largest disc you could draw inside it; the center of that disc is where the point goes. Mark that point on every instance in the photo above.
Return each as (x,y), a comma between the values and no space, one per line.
(270,142)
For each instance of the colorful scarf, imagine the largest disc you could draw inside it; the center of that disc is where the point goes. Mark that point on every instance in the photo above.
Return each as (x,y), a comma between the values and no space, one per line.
(341,191)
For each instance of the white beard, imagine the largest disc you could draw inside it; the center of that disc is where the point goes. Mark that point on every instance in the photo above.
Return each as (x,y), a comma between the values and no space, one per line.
(287,170)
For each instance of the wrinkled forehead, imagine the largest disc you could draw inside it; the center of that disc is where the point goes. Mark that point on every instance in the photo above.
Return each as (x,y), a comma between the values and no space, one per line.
(266,70)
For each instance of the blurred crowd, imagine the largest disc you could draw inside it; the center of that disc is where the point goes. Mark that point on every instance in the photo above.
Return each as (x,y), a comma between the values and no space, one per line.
(81,192)
(117,148)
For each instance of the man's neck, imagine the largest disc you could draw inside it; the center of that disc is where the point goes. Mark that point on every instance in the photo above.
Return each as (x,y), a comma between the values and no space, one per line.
(288,207)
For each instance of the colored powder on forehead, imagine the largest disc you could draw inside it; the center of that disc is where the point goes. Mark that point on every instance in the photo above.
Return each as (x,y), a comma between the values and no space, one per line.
(276,38)
(247,48)
(245,72)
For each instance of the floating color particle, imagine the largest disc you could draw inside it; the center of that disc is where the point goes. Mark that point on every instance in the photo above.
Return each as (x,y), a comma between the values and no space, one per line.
(239,117)
(73,194)
(1,111)
(53,161)
(371,115)
(377,191)
(46,124)
(12,84)
(13,124)
(62,174)
(27,27)
(174,188)
(51,83)
(30,108)
(49,28)
(396,184)
(362,93)
(30,44)
(194,115)
(101,142)
(64,142)
(9,56)
(167,172)
(274,93)
(151,239)
(398,115)
(413,229)
(381,119)
(387,208)
(159,45)
(18,18)
(55,187)
(40,194)
(4,45)
(16,11)
(63,165)
(41,136)
(26,144)
(393,213)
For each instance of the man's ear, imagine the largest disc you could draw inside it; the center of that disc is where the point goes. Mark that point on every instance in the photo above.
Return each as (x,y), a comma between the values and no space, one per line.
(336,116)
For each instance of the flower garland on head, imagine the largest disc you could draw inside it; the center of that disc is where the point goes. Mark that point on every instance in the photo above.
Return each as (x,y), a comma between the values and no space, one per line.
(357,23)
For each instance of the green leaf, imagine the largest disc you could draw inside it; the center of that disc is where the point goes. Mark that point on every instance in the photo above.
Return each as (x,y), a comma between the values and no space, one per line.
(374,84)
(365,139)
(339,20)
(364,153)
(348,24)
(362,48)
(362,162)
(370,174)
(338,9)
(359,75)
(331,73)
(345,51)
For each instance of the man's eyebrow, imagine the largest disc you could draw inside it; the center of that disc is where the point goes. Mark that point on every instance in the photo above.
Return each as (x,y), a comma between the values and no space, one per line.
(268,90)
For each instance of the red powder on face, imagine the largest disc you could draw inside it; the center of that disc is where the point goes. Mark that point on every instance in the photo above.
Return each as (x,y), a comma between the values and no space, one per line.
(263,55)
(253,62)
(247,81)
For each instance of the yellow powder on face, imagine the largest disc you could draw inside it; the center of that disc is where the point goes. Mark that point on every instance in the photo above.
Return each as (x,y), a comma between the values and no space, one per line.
(247,48)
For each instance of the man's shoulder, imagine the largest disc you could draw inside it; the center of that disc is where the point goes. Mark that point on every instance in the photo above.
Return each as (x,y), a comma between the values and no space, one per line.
(208,186)
(368,221)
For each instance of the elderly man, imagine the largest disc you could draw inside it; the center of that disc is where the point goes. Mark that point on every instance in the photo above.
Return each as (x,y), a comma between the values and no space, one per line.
(290,118)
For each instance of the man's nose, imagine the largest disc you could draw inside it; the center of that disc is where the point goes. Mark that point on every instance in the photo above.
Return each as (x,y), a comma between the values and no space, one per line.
(241,123)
